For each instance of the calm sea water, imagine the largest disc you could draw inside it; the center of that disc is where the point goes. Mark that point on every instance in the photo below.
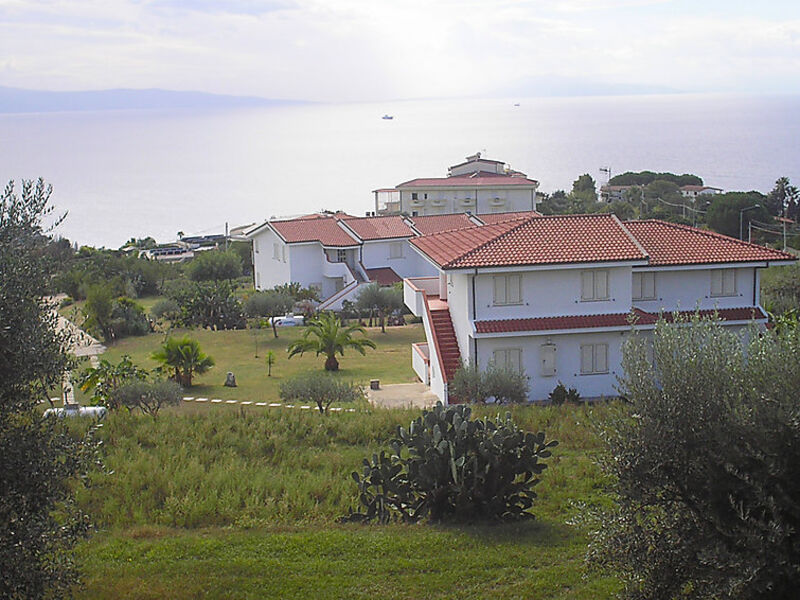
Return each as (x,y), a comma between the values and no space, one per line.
(133,173)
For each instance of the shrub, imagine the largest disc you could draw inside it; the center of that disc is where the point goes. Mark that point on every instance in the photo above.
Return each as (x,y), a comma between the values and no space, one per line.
(446,466)
(706,464)
(561,394)
(149,396)
(321,389)
(104,379)
(183,358)
(166,308)
(504,385)
(214,265)
(128,318)
(268,304)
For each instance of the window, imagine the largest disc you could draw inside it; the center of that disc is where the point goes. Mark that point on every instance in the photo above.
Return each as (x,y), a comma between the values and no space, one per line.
(723,282)
(284,254)
(547,357)
(507,289)
(594,358)
(594,285)
(396,250)
(414,196)
(508,358)
(276,251)
(341,255)
(425,196)
(644,286)
(414,213)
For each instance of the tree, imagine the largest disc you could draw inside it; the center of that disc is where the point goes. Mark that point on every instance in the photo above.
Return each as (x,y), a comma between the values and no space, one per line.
(320,388)
(39,461)
(97,310)
(782,196)
(211,304)
(705,465)
(148,396)
(473,385)
(215,265)
(270,360)
(554,204)
(325,335)
(724,213)
(269,304)
(184,357)
(104,379)
(381,300)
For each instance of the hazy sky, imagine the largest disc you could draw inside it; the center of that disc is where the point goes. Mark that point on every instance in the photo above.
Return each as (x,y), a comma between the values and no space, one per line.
(385,49)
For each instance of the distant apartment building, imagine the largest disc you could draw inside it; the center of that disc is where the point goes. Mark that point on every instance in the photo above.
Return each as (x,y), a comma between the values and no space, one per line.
(477,185)
(693,191)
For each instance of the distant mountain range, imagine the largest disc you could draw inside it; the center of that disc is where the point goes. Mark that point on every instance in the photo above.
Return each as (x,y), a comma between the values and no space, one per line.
(16,100)
(555,85)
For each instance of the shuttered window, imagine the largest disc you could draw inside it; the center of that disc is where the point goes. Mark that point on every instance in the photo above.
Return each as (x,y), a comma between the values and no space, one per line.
(644,286)
(723,282)
(507,289)
(594,285)
(508,358)
(594,358)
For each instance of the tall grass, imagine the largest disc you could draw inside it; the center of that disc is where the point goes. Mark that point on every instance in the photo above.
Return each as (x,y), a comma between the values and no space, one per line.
(254,468)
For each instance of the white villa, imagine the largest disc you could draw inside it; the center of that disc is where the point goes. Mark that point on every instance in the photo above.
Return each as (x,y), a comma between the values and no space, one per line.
(554,295)
(338,253)
(477,185)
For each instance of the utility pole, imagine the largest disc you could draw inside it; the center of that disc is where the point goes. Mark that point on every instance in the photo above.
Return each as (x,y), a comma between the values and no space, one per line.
(226,236)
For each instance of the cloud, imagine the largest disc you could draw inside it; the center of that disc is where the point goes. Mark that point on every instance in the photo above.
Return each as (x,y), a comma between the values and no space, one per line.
(361,50)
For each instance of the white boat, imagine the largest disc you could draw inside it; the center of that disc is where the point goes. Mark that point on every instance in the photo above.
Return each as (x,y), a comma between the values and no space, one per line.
(387,117)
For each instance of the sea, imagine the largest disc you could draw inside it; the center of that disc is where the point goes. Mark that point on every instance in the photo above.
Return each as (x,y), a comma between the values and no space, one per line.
(137,173)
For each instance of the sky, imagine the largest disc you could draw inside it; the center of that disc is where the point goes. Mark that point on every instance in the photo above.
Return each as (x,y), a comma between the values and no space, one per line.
(368,50)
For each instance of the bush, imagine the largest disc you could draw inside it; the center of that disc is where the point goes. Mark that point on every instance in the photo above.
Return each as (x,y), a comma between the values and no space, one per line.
(561,394)
(447,466)
(321,389)
(106,378)
(504,385)
(128,318)
(148,396)
(707,465)
(166,308)
(214,265)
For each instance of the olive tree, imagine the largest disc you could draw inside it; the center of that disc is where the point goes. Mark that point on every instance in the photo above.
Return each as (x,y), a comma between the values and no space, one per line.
(705,462)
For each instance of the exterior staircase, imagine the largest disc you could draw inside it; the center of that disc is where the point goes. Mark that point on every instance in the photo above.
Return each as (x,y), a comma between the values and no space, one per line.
(445,335)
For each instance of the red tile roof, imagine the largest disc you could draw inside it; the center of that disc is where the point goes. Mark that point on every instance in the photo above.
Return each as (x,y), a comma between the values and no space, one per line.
(571,322)
(552,239)
(319,228)
(673,244)
(378,228)
(438,223)
(491,218)
(482,179)
(608,320)
(383,275)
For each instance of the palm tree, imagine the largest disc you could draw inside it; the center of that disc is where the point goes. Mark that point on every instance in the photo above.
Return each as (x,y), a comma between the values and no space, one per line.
(183,355)
(325,335)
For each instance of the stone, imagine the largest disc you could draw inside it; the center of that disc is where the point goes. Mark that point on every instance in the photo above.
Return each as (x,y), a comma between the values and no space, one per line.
(230,380)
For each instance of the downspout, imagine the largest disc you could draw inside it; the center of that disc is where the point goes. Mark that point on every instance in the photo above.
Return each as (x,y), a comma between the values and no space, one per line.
(474,315)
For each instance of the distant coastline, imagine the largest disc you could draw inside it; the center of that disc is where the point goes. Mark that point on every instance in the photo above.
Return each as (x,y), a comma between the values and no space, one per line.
(18,100)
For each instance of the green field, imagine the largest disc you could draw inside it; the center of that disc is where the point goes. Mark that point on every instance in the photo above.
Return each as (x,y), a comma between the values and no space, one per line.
(235,351)
(243,503)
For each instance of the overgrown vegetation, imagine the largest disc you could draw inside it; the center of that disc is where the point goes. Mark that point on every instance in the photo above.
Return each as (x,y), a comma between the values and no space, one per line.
(706,465)
(504,386)
(447,466)
(148,396)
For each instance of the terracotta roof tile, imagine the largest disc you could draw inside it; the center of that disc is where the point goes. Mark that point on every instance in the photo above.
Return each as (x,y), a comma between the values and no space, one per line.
(378,228)
(438,223)
(482,179)
(538,240)
(491,218)
(566,322)
(323,229)
(673,244)
(608,320)
(383,275)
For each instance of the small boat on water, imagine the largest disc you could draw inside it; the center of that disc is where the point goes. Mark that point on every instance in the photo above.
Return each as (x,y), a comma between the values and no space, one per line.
(516,104)
(387,117)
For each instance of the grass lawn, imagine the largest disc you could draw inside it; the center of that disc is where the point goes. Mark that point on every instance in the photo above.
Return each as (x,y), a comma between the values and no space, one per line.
(236,503)
(236,351)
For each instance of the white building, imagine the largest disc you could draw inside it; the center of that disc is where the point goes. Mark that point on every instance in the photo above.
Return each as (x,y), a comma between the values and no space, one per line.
(554,295)
(478,186)
(338,253)
(693,191)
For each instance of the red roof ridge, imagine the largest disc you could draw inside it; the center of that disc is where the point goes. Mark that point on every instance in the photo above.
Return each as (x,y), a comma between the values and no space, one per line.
(711,234)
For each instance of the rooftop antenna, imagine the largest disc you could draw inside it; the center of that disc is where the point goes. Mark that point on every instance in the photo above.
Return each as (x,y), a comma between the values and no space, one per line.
(607,171)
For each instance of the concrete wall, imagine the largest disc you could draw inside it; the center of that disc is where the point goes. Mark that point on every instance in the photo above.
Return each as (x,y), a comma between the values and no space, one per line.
(376,254)
(482,200)
(684,289)
(552,293)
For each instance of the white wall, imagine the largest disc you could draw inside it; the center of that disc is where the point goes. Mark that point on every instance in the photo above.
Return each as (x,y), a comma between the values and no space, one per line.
(568,362)
(268,271)
(684,289)
(459,301)
(376,254)
(552,293)
(515,199)
(306,261)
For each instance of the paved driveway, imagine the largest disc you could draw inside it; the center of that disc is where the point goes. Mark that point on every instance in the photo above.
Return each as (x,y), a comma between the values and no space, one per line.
(402,395)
